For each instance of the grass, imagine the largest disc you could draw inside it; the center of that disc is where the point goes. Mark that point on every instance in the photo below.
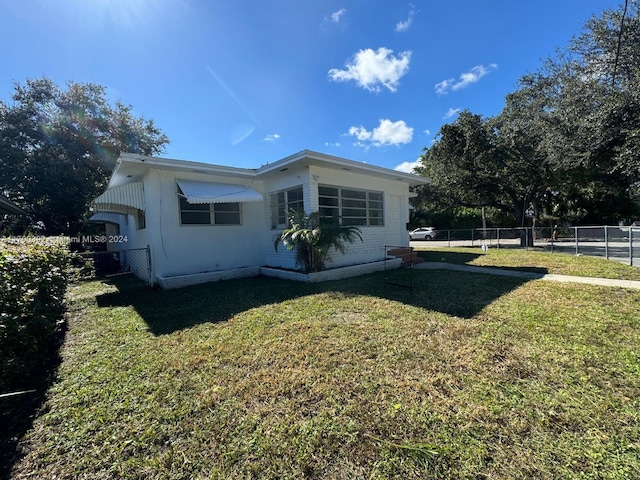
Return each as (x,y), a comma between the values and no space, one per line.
(468,376)
(532,260)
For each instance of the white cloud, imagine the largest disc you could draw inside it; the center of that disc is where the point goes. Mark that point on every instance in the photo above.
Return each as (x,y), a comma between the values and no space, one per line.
(360,133)
(392,133)
(271,138)
(443,86)
(386,133)
(473,75)
(404,25)
(407,167)
(465,79)
(335,16)
(452,112)
(427,132)
(374,69)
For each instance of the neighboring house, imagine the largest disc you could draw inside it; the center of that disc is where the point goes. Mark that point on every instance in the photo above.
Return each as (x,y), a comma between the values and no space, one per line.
(204,222)
(8,207)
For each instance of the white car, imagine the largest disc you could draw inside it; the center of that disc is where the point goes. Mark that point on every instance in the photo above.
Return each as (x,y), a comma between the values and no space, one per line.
(422,233)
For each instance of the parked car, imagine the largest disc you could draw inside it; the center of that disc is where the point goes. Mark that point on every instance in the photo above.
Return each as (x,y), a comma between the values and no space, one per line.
(422,233)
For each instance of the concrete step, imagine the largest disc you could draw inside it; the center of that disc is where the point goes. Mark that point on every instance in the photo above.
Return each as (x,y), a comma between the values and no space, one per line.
(408,256)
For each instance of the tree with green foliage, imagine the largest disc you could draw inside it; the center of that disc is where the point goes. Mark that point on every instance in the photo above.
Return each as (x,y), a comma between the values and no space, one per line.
(314,239)
(567,143)
(594,121)
(478,162)
(589,104)
(58,147)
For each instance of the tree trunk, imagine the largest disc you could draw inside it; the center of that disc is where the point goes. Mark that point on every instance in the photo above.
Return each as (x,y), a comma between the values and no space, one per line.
(526,237)
(526,233)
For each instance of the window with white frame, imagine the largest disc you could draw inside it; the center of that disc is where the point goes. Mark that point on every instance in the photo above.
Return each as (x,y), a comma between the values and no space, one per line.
(283,201)
(208,213)
(362,208)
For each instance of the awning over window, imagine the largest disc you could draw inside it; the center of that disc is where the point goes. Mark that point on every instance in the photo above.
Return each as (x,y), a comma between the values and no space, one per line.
(206,192)
(124,199)
(7,206)
(106,218)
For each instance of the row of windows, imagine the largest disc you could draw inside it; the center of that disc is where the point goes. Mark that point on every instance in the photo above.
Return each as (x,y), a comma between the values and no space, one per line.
(353,207)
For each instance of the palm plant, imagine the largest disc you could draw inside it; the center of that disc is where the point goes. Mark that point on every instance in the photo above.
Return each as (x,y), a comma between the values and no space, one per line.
(314,239)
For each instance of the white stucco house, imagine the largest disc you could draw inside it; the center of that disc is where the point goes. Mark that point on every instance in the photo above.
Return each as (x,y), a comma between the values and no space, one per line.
(204,222)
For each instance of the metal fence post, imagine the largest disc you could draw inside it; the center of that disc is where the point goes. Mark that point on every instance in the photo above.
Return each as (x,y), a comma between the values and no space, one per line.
(472,237)
(150,281)
(606,243)
(448,238)
(575,230)
(630,246)
(497,238)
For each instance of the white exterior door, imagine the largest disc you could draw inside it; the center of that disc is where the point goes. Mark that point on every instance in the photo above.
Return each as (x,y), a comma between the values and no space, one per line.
(396,220)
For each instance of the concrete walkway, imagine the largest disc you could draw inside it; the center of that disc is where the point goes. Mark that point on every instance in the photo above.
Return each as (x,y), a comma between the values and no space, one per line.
(607,282)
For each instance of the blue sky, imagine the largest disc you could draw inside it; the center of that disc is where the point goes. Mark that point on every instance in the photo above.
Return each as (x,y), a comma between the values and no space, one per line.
(244,82)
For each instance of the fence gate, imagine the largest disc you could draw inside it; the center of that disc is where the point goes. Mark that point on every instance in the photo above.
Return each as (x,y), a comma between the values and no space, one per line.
(135,260)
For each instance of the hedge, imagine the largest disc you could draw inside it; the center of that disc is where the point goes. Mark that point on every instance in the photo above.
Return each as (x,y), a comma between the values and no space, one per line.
(33,281)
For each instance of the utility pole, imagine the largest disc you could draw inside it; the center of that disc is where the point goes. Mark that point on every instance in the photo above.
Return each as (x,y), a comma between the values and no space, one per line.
(484,224)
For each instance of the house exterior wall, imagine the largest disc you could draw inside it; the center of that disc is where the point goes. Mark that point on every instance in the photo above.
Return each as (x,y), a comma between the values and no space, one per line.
(111,230)
(123,235)
(185,249)
(179,253)
(374,239)
(139,238)
(291,178)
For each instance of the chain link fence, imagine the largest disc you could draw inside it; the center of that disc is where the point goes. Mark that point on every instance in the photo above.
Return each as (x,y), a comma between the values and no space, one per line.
(136,261)
(615,243)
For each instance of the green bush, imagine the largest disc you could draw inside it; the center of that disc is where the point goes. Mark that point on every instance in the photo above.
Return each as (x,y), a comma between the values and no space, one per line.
(33,281)
(454,218)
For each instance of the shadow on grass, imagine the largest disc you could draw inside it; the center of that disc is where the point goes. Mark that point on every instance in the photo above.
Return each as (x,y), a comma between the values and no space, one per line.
(466,258)
(17,412)
(449,257)
(454,293)
(166,311)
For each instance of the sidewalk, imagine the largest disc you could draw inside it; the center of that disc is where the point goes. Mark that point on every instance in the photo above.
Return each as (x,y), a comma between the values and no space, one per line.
(607,282)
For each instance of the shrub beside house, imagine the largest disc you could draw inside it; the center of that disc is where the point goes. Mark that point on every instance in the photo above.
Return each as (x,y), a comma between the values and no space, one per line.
(33,281)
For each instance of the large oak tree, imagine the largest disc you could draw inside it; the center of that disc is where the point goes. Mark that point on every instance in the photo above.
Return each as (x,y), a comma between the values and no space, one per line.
(567,143)
(58,147)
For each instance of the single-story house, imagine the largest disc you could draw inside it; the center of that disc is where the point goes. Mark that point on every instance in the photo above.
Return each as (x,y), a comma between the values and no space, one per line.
(202,222)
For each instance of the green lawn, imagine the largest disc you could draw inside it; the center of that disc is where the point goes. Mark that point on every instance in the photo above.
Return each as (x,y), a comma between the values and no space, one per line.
(467,376)
(532,260)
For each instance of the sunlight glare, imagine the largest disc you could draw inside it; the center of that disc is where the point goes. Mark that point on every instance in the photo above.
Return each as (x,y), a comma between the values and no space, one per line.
(119,13)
